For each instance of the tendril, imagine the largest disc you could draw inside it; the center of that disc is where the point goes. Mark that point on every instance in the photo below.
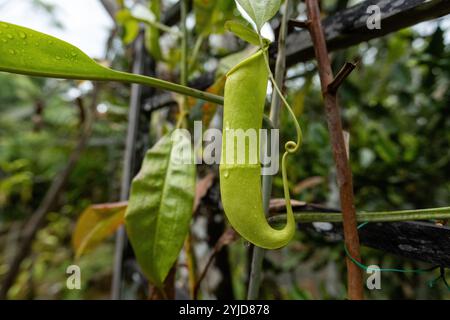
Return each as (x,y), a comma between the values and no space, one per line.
(291,147)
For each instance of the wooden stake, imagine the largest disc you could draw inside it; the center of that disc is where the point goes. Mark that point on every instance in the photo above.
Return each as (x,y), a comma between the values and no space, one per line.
(330,86)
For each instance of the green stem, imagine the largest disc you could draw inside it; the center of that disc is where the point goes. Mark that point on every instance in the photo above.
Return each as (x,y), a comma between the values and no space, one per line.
(196,50)
(258,253)
(160,26)
(164,85)
(184,63)
(381,216)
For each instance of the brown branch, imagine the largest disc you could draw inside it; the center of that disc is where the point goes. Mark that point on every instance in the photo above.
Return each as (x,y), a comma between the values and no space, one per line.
(111,8)
(81,111)
(299,24)
(344,175)
(38,120)
(340,77)
(228,237)
(191,263)
(168,291)
(37,220)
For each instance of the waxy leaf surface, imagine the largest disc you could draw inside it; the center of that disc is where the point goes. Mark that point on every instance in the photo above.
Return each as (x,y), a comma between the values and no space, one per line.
(160,206)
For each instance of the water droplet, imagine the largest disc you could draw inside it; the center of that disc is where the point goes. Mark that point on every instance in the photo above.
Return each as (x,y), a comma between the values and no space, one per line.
(22,35)
(12,52)
(50,42)
(10,36)
(226,174)
(74,54)
(58,58)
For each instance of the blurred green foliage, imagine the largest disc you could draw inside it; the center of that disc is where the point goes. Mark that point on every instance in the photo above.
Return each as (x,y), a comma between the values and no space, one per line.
(395,107)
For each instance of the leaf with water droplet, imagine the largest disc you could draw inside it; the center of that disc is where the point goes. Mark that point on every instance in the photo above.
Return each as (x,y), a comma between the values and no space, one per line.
(45,63)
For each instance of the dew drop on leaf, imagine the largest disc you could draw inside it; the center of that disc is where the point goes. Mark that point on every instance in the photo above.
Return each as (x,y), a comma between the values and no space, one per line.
(22,35)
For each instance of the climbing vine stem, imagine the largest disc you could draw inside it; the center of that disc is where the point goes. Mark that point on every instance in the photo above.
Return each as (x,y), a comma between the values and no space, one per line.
(258,253)
(184,70)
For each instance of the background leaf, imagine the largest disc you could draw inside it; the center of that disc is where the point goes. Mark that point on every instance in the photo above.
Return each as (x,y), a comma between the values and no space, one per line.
(153,34)
(260,11)
(244,32)
(130,25)
(210,15)
(160,206)
(95,224)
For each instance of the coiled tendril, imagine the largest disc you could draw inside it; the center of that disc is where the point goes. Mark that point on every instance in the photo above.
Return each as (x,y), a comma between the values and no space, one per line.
(291,147)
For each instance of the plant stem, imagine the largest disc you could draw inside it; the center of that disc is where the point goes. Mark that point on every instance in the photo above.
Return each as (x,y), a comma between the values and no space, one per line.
(344,175)
(382,216)
(258,253)
(190,254)
(184,62)
(184,44)
(166,85)
(160,26)
(129,169)
(196,51)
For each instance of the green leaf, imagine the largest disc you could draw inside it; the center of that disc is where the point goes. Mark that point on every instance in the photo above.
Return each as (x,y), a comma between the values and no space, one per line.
(29,52)
(260,11)
(153,34)
(160,205)
(95,224)
(210,15)
(130,25)
(244,32)
(25,51)
(386,148)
